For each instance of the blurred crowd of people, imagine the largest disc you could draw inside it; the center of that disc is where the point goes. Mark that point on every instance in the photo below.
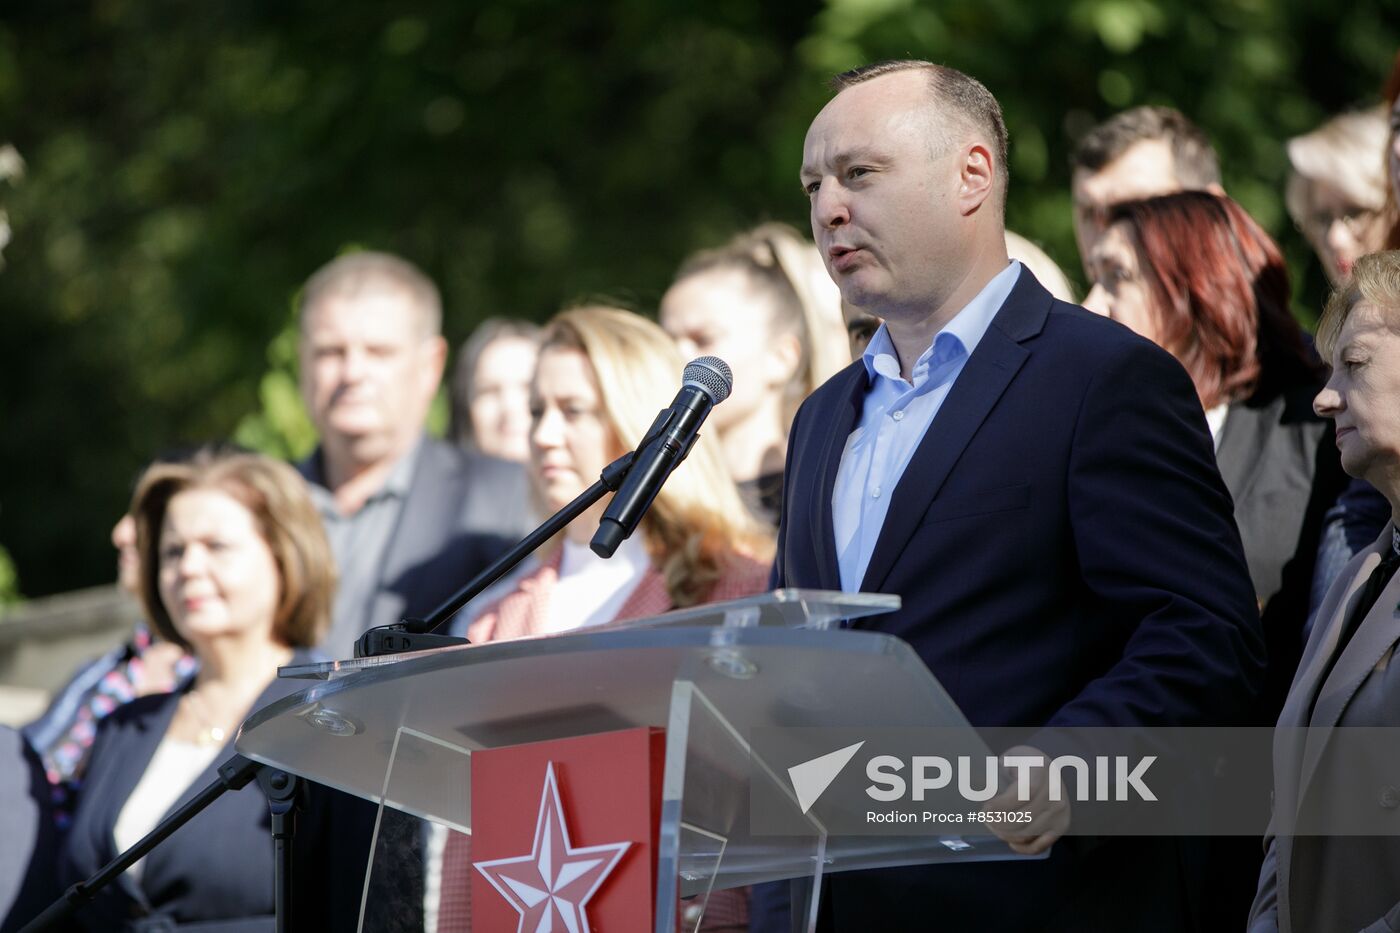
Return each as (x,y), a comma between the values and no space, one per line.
(242,564)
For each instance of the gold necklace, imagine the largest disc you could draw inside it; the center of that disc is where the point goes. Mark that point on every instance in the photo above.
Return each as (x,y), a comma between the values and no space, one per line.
(209,734)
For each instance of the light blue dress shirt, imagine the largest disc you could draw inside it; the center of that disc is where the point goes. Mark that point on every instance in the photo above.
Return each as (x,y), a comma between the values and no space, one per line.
(895,417)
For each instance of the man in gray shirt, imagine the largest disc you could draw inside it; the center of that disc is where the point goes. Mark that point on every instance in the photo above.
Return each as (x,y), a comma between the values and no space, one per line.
(410,519)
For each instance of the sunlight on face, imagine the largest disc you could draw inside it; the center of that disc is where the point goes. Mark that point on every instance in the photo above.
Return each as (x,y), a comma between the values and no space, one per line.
(570,438)
(1363,396)
(217,575)
(368,371)
(500,406)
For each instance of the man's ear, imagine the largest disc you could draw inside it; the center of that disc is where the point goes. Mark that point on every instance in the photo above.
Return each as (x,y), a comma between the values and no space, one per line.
(977,178)
(434,360)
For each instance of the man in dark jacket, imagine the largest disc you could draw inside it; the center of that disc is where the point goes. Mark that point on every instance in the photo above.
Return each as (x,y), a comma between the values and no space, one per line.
(410,518)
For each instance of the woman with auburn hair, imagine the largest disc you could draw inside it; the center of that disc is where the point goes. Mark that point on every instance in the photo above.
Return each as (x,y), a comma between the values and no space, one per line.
(1348,676)
(764,303)
(1194,273)
(601,377)
(234,567)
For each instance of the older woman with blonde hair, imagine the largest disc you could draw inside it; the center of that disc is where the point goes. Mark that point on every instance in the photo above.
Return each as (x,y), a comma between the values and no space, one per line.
(1336,191)
(763,303)
(235,567)
(1347,677)
(600,374)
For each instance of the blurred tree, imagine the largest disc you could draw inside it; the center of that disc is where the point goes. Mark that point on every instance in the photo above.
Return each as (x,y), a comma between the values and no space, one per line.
(189,166)
(9,580)
(11,169)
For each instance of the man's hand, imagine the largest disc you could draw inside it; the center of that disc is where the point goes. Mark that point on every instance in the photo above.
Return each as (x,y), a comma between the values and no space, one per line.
(1049,818)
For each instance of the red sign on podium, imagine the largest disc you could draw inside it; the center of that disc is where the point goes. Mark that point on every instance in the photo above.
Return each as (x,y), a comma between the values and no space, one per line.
(564,833)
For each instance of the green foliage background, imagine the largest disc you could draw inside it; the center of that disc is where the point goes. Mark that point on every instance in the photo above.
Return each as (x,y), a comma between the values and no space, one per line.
(190,164)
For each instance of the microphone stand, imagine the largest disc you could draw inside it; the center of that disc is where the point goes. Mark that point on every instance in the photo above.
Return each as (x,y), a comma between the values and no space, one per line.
(283,789)
(420,634)
(284,792)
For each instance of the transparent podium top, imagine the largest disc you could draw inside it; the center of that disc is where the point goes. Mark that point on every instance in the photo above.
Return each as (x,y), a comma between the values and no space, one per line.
(402,733)
(789,608)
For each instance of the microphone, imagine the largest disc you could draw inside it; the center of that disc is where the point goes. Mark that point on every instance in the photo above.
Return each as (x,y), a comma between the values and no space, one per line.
(707,381)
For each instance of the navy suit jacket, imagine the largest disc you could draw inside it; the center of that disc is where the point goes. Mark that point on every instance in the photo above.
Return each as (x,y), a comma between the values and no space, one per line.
(1065,552)
(216,871)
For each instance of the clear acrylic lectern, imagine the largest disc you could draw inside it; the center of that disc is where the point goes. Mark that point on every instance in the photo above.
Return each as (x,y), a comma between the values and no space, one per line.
(400,730)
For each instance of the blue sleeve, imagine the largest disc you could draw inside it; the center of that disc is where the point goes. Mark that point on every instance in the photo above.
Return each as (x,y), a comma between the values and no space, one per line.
(1350,525)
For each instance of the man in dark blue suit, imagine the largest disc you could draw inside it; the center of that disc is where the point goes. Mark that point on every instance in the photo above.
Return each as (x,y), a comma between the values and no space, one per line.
(1037,483)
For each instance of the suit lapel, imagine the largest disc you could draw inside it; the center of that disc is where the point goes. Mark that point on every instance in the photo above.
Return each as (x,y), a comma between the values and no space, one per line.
(148,731)
(997,359)
(850,403)
(429,513)
(1239,442)
(1290,751)
(1376,634)
(1245,433)
(1327,630)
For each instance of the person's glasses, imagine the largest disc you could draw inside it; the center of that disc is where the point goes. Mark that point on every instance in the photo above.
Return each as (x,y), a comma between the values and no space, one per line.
(1358,221)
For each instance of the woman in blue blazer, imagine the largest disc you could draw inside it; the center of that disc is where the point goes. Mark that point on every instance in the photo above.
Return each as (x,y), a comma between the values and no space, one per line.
(234,566)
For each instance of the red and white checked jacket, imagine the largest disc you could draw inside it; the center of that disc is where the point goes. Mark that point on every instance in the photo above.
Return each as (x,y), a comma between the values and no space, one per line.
(520,613)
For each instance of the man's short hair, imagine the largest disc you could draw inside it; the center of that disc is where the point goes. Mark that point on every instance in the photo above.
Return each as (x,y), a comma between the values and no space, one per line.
(358,272)
(962,95)
(1192,154)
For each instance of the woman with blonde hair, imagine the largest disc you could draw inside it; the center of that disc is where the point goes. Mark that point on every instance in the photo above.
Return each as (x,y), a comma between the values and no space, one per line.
(764,304)
(601,376)
(596,388)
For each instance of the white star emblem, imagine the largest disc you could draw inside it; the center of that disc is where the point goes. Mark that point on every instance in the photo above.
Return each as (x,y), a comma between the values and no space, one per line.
(550,886)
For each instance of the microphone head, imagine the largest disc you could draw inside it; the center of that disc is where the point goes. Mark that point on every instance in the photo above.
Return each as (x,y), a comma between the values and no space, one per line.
(711,374)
